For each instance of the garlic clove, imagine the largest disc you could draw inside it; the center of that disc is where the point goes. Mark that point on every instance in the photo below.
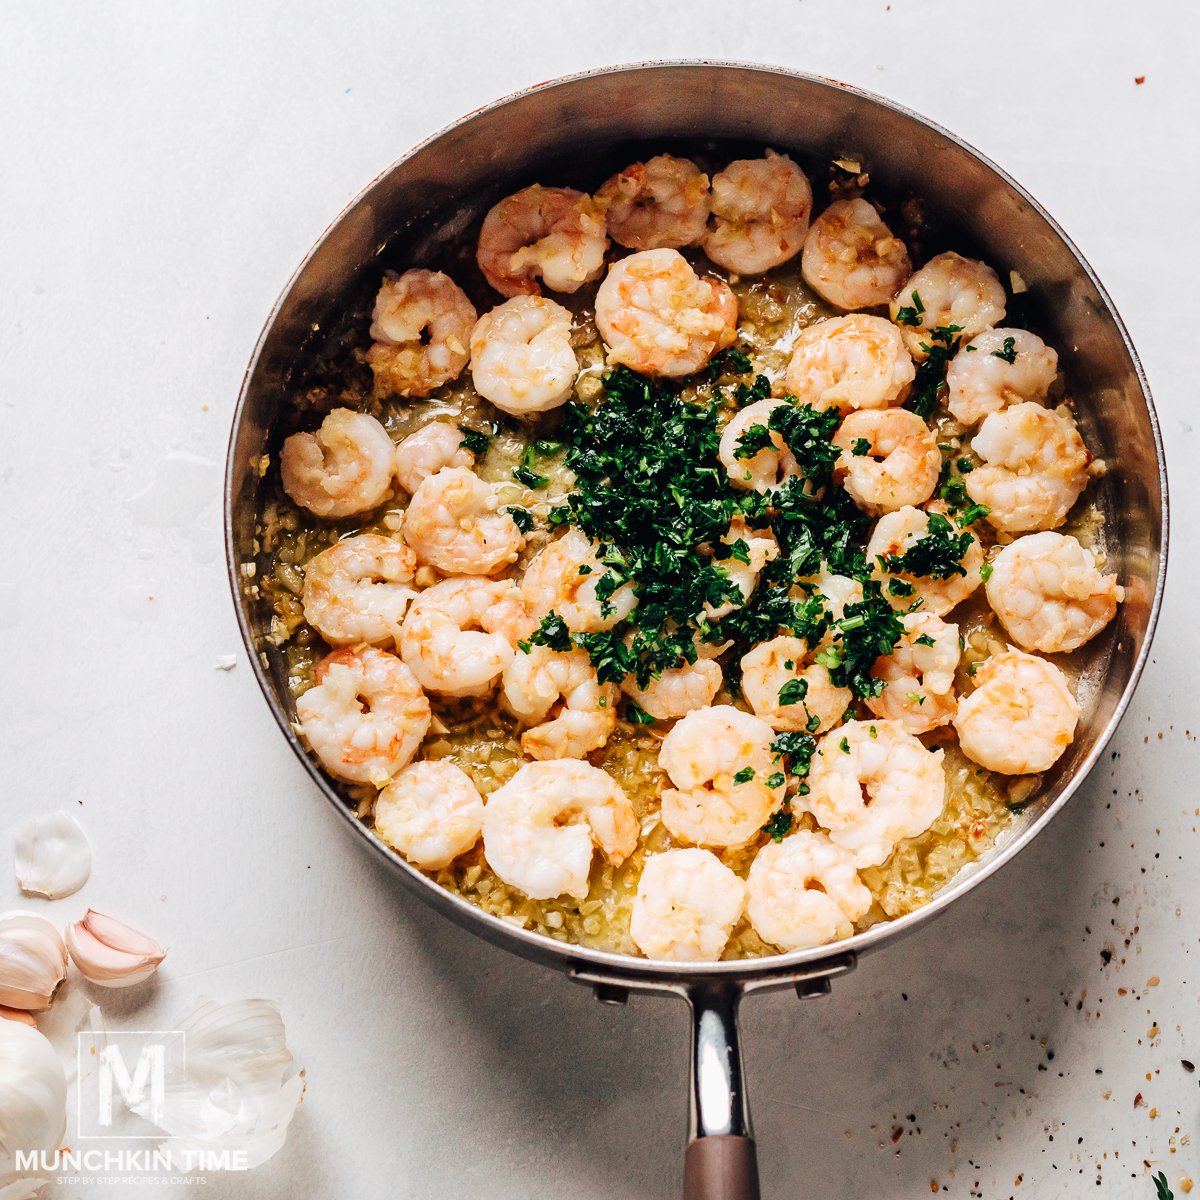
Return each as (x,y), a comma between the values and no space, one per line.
(108,952)
(53,857)
(33,1103)
(33,961)
(17,1014)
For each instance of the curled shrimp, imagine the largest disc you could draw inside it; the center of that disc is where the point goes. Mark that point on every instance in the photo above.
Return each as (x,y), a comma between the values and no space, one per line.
(563,577)
(556,692)
(787,688)
(1035,467)
(366,716)
(342,469)
(804,891)
(431,813)
(749,552)
(760,211)
(726,781)
(659,203)
(1049,594)
(872,784)
(895,534)
(359,589)
(556,234)
(851,362)
(851,258)
(677,691)
(454,523)
(998,368)
(657,316)
(1020,717)
(750,469)
(540,830)
(890,458)
(918,675)
(460,634)
(521,355)
(686,906)
(421,326)
(948,291)
(427,451)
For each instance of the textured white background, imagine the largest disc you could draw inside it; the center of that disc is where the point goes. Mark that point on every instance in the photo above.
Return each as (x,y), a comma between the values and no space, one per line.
(162,170)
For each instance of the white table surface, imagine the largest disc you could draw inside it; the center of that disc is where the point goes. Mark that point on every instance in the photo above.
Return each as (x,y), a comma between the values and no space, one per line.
(162,170)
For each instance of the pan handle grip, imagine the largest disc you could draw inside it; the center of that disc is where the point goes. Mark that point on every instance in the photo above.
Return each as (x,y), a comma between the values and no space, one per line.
(721,1162)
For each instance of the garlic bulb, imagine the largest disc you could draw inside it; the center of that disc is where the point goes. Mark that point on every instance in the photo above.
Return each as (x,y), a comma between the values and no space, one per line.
(33,1103)
(33,960)
(238,1087)
(109,953)
(54,858)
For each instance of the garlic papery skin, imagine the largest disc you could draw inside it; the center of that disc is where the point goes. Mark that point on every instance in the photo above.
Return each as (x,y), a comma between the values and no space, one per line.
(33,1103)
(108,952)
(233,1084)
(33,961)
(17,1014)
(54,857)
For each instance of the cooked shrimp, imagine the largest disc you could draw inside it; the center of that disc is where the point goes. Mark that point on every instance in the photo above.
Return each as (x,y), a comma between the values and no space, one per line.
(366,716)
(760,209)
(890,458)
(659,317)
(521,355)
(1035,467)
(431,812)
(687,903)
(836,592)
(454,523)
(460,634)
(896,534)
(918,675)
(725,777)
(948,291)
(562,578)
(851,258)
(751,550)
(556,692)
(656,204)
(540,828)
(757,470)
(677,691)
(359,589)
(1049,594)
(787,689)
(421,325)
(872,784)
(998,368)
(427,451)
(851,362)
(1020,717)
(804,891)
(342,469)
(554,233)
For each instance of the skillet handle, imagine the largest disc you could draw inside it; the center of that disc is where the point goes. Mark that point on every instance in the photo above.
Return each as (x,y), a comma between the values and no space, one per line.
(721,1162)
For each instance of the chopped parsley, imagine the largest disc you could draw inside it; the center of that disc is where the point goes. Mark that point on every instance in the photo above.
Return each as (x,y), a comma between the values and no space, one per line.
(869,629)
(860,447)
(780,825)
(552,632)
(937,555)
(799,749)
(1162,1190)
(844,745)
(1009,351)
(971,514)
(924,640)
(985,572)
(635,713)
(522,518)
(744,775)
(929,385)
(911,314)
(775,780)
(793,691)
(531,479)
(474,440)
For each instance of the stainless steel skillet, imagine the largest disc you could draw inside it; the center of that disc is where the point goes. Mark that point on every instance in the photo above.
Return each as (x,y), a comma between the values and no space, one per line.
(552,134)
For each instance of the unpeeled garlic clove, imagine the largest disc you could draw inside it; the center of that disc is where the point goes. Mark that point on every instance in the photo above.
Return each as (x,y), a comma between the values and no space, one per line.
(53,857)
(33,961)
(18,1015)
(110,953)
(33,1105)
